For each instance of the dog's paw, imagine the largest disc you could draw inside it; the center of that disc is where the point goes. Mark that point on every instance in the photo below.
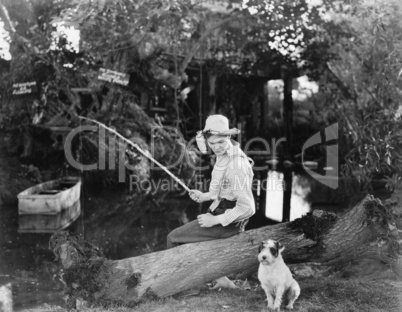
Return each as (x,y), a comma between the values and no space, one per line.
(289,307)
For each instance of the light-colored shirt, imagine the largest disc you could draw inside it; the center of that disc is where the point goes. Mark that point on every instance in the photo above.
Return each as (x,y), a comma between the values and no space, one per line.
(231,179)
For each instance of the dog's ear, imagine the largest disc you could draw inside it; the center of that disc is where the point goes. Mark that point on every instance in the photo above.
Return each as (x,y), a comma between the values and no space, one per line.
(279,247)
(261,247)
(274,251)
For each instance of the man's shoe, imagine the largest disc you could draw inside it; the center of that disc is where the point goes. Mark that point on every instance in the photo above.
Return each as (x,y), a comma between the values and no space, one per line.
(223,282)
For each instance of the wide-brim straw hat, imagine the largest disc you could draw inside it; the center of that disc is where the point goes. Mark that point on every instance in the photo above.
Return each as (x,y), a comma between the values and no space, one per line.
(218,125)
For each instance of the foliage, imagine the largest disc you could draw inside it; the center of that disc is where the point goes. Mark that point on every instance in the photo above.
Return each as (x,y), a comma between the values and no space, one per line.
(362,88)
(84,277)
(273,36)
(352,47)
(32,173)
(314,227)
(83,249)
(37,55)
(136,32)
(128,24)
(255,38)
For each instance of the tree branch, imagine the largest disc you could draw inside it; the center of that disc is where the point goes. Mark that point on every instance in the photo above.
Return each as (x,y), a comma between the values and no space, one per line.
(341,85)
(197,45)
(8,25)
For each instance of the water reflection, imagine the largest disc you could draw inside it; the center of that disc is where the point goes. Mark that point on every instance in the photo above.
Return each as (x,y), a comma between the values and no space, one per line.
(122,230)
(27,264)
(299,204)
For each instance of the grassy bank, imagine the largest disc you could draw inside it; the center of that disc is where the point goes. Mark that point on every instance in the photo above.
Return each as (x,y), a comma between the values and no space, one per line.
(329,294)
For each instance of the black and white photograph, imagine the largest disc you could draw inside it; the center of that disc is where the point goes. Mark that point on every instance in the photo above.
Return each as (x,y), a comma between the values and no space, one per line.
(200,155)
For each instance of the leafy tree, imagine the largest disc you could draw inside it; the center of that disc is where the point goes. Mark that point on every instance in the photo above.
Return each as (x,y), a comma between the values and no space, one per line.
(352,48)
(60,71)
(362,89)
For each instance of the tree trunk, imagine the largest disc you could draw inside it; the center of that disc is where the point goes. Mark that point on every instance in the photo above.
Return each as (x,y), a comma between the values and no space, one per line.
(366,231)
(212,93)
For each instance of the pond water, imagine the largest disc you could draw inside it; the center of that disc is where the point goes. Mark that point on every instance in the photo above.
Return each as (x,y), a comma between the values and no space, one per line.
(122,232)
(27,263)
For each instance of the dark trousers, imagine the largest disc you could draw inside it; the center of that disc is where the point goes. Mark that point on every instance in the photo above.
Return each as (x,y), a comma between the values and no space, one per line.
(192,232)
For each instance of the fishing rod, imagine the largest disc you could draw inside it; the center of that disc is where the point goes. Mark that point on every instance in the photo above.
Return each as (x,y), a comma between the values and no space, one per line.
(138,149)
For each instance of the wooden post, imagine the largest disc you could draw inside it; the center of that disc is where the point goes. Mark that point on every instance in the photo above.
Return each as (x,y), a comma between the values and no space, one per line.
(288,123)
(6,298)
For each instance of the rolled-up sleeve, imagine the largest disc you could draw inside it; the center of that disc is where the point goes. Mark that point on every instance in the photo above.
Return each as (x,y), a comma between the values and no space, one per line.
(238,186)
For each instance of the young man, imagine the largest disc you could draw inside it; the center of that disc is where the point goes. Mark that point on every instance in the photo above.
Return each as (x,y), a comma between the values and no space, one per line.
(230,190)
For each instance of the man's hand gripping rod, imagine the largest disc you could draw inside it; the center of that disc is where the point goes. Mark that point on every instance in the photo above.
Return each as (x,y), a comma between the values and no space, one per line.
(140,150)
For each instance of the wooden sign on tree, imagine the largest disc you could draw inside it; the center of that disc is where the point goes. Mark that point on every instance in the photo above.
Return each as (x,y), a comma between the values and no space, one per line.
(25,88)
(113,76)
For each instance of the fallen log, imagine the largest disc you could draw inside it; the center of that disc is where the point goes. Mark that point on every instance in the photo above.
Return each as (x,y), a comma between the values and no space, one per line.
(366,231)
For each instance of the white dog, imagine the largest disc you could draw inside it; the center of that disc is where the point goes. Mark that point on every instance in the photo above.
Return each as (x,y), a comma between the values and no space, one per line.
(275,277)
